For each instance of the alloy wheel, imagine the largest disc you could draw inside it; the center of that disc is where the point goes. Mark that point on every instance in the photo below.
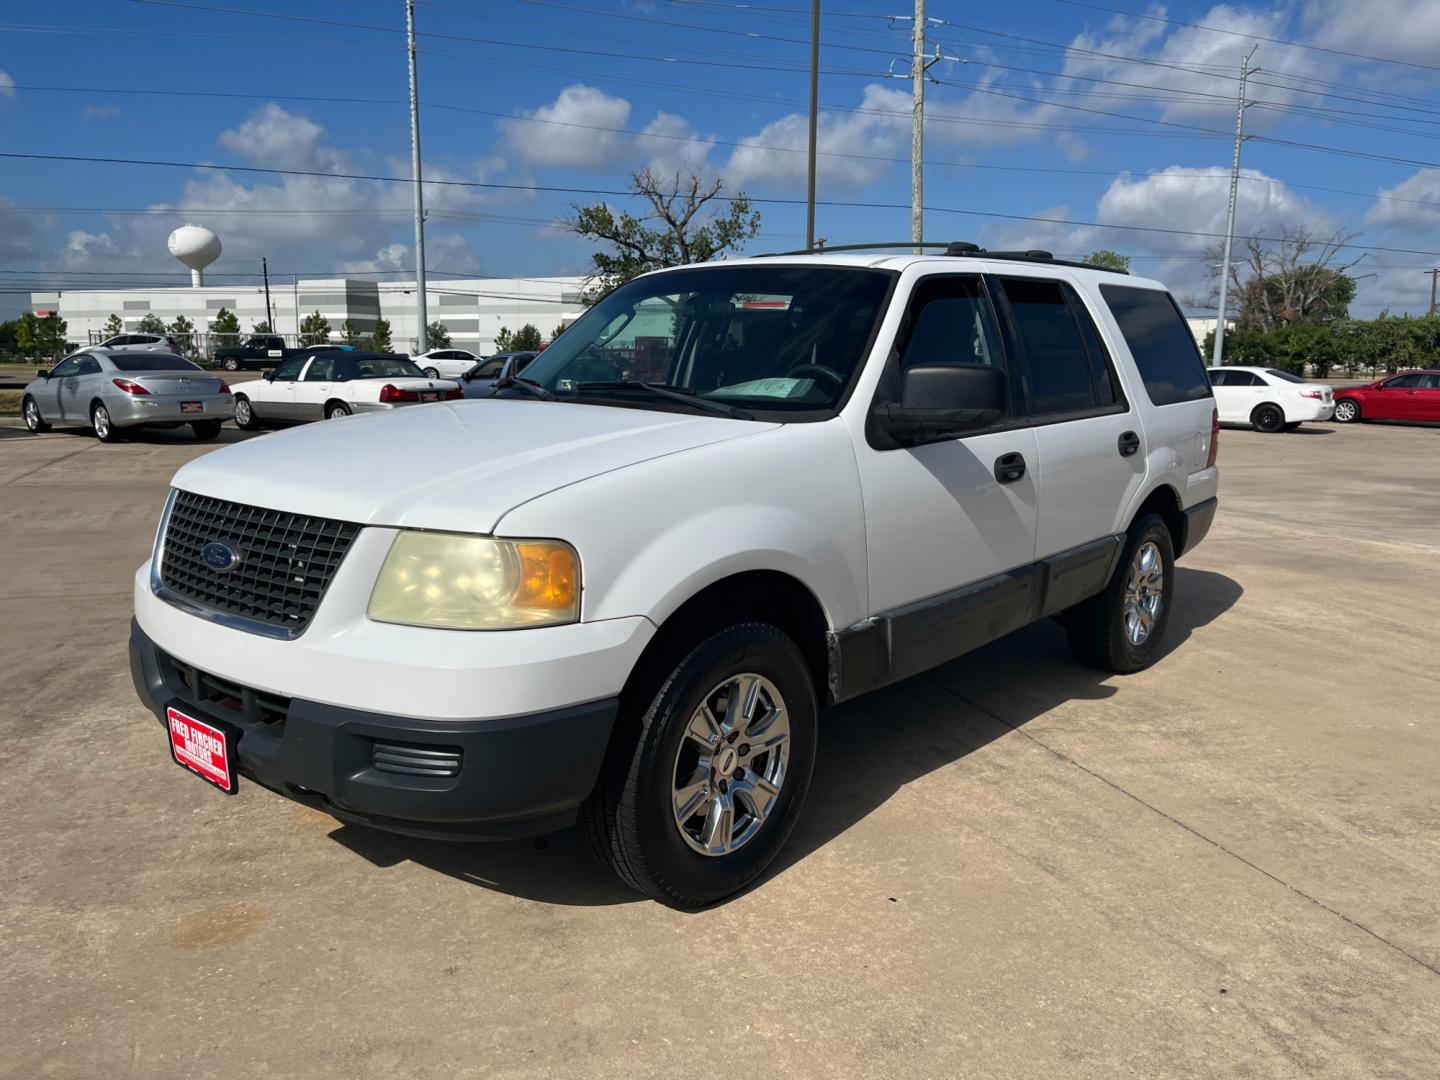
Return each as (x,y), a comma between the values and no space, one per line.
(1144,593)
(731,765)
(101,421)
(32,415)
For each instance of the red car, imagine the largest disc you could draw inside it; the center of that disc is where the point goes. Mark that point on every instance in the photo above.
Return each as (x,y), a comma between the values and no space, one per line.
(1411,395)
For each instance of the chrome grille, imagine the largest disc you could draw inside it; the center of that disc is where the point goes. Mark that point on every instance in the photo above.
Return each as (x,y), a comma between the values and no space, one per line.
(286,561)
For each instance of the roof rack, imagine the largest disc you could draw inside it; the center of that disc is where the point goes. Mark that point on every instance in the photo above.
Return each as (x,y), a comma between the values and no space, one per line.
(959,248)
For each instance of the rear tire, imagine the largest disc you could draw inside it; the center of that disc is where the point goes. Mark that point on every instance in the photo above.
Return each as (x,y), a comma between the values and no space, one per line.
(1268,419)
(1347,411)
(1103,631)
(337,410)
(675,758)
(231,364)
(206,429)
(30,410)
(105,429)
(245,418)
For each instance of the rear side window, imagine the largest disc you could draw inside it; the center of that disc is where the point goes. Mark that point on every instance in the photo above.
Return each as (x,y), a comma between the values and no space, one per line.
(1283,376)
(1164,350)
(1055,347)
(151,362)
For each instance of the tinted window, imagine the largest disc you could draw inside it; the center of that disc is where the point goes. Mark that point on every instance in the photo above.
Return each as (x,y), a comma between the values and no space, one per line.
(488,370)
(88,366)
(521,363)
(1430,382)
(1219,378)
(1054,348)
(322,370)
(380,367)
(1245,378)
(1405,382)
(949,322)
(1163,347)
(289,370)
(1283,376)
(151,362)
(69,366)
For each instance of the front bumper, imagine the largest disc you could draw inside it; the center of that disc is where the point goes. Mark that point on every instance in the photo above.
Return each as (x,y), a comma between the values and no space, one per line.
(128,410)
(456,779)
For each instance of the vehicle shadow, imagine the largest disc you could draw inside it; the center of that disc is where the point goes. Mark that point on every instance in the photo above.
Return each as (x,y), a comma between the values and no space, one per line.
(870,748)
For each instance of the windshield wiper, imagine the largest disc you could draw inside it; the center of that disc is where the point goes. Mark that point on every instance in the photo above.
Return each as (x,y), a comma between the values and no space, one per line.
(528,386)
(683,394)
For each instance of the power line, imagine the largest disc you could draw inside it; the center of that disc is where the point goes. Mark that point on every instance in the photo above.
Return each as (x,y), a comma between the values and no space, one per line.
(845,204)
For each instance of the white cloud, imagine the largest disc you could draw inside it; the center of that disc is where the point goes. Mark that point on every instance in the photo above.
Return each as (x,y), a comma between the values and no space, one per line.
(1423,187)
(101,112)
(7,85)
(1400,29)
(280,139)
(777,154)
(570,133)
(673,145)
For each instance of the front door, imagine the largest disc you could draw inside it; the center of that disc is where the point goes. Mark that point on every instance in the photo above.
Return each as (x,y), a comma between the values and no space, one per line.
(1090,441)
(937,517)
(81,389)
(48,393)
(277,400)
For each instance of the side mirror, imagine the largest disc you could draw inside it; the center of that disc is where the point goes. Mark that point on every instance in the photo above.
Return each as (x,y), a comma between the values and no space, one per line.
(466,376)
(268,376)
(941,401)
(43,373)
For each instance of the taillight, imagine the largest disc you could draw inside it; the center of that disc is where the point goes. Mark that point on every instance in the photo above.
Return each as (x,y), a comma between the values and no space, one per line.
(224,387)
(1316,394)
(130,387)
(1214,437)
(390,394)
(454,394)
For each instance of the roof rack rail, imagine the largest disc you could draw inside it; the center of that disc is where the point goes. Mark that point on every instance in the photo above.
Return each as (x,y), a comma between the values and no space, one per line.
(960,248)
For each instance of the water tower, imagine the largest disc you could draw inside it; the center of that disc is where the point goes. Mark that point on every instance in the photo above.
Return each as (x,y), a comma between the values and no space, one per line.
(197,247)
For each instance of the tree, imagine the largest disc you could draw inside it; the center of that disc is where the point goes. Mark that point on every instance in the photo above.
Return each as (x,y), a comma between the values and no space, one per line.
(50,335)
(678,206)
(9,343)
(1110,260)
(261,327)
(380,339)
(559,329)
(27,331)
(527,339)
(226,323)
(113,326)
(504,340)
(437,335)
(349,332)
(151,324)
(314,329)
(183,331)
(1298,278)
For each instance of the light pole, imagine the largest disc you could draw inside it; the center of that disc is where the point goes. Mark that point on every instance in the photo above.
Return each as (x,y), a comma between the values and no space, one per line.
(420,315)
(1219,354)
(814,121)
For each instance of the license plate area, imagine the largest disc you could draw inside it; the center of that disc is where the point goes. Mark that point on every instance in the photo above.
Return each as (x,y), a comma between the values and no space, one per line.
(192,406)
(426,395)
(203,748)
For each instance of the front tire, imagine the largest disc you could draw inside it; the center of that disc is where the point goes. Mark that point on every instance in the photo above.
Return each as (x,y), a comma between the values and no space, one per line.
(30,410)
(432,373)
(206,429)
(696,803)
(1121,629)
(1268,419)
(1347,411)
(232,364)
(105,429)
(245,418)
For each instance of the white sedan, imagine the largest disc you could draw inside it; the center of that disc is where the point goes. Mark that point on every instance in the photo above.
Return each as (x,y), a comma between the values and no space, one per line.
(331,385)
(445,363)
(1269,400)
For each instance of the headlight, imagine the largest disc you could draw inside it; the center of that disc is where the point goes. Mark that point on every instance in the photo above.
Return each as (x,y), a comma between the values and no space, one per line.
(476,582)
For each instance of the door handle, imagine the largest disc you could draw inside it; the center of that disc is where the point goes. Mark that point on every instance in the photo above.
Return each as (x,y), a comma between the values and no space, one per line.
(1129,443)
(1009,468)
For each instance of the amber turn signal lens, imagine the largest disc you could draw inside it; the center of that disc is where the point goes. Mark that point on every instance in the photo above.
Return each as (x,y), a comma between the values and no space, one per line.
(547,577)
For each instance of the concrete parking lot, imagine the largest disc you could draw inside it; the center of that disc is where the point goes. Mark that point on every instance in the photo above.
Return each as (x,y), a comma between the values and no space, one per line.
(1228,865)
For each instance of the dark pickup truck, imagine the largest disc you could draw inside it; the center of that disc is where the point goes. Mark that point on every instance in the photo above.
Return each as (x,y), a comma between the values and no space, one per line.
(256,351)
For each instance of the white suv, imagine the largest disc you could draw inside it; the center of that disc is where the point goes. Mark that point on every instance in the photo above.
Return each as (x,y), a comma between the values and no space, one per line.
(728,496)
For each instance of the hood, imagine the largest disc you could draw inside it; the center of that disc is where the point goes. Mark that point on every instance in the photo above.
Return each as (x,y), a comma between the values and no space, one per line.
(456,466)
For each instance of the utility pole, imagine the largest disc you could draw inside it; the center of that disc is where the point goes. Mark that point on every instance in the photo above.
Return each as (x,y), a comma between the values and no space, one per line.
(1219,355)
(265,273)
(918,67)
(1434,275)
(422,321)
(814,121)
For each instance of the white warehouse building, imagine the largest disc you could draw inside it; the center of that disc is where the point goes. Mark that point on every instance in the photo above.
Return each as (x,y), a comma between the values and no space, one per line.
(473,310)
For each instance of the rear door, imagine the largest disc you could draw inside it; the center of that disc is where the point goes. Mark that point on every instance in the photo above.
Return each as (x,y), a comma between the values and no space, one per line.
(1091,457)
(1427,398)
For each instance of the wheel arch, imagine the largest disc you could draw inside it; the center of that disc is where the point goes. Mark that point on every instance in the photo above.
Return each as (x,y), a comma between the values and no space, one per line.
(1164,501)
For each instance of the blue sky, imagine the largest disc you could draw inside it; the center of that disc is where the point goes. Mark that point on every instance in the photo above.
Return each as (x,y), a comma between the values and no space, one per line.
(1042,109)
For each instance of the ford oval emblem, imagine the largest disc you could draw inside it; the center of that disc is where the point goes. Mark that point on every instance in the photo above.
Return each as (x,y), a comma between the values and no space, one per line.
(220,556)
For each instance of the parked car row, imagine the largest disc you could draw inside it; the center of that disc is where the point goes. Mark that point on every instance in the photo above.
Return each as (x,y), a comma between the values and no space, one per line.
(1270,400)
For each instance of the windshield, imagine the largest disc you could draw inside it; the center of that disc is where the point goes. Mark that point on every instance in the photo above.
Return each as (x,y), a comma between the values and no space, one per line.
(378,367)
(783,339)
(151,362)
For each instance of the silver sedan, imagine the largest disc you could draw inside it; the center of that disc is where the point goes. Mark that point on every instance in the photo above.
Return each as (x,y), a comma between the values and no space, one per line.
(111,390)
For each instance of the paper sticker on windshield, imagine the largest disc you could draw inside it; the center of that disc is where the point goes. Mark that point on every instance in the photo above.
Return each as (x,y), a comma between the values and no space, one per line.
(773,388)
(762,302)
